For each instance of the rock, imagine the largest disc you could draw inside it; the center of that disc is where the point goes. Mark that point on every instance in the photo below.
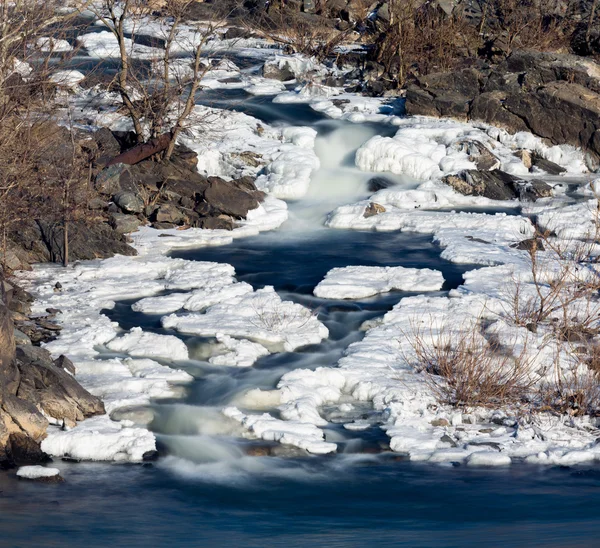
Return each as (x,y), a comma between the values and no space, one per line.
(373,209)
(497,185)
(546,165)
(123,223)
(40,474)
(227,198)
(52,389)
(443,94)
(216,223)
(21,338)
(26,416)
(168,213)
(25,451)
(108,180)
(440,422)
(7,336)
(163,226)
(193,189)
(379,183)
(108,147)
(478,153)
(97,204)
(86,241)
(525,157)
(554,96)
(278,69)
(65,363)
(129,202)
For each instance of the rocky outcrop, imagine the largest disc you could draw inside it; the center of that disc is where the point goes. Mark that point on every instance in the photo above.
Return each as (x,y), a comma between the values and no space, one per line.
(173,193)
(32,388)
(556,97)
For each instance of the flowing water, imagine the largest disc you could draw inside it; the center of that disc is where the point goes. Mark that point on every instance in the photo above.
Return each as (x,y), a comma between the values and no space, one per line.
(211,487)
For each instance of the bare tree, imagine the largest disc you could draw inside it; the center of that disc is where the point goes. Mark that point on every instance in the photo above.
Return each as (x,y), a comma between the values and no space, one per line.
(161,99)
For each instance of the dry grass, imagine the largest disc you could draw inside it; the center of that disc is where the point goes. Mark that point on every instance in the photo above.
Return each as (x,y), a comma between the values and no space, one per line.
(467,370)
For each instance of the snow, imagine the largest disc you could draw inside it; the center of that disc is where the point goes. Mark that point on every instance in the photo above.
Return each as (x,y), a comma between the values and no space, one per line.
(298,434)
(260,316)
(426,148)
(99,439)
(238,352)
(37,472)
(104,45)
(488,458)
(67,78)
(138,343)
(53,45)
(358,282)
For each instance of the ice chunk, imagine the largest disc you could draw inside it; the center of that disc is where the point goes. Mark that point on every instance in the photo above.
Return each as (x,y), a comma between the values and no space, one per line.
(141,343)
(357,282)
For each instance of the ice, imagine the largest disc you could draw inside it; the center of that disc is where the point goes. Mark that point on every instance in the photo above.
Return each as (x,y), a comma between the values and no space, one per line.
(488,458)
(104,45)
(144,344)
(264,86)
(358,282)
(307,94)
(37,472)
(53,45)
(260,316)
(100,439)
(67,78)
(303,435)
(238,352)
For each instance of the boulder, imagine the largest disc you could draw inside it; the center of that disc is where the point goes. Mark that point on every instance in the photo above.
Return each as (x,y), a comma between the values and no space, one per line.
(278,69)
(497,185)
(168,213)
(124,224)
(108,180)
(53,389)
(373,209)
(225,197)
(107,146)
(546,165)
(129,202)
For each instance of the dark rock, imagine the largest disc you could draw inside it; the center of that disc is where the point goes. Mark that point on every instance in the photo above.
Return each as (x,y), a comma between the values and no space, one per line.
(25,451)
(216,223)
(163,226)
(53,389)
(497,185)
(478,153)
(86,241)
(546,165)
(108,180)
(123,223)
(150,456)
(168,213)
(108,146)
(129,202)
(227,198)
(65,363)
(379,183)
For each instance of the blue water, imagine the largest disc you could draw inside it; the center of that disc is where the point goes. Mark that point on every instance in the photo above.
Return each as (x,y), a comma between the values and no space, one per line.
(396,504)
